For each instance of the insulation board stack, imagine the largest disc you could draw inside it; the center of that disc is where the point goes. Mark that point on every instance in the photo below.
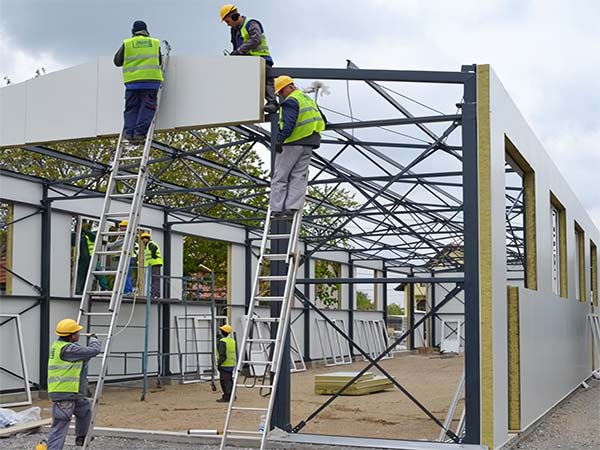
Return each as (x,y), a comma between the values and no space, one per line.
(331,383)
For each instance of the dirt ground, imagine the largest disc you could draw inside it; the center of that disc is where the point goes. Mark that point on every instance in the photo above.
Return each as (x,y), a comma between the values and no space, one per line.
(432,379)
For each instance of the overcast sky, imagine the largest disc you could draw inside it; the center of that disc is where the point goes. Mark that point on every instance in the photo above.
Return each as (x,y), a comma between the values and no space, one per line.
(544,51)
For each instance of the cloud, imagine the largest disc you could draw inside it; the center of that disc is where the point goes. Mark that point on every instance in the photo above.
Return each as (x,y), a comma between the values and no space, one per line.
(544,51)
(20,64)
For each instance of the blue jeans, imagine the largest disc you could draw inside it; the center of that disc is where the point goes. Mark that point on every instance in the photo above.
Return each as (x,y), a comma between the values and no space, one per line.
(61,418)
(140,106)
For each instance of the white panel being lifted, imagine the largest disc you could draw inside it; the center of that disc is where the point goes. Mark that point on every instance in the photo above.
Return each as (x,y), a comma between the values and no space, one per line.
(87,101)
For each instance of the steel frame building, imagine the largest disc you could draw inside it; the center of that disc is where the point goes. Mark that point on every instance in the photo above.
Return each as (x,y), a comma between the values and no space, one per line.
(408,210)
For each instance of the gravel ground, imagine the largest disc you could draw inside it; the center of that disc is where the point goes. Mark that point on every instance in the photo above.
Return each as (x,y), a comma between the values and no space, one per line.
(574,425)
(104,443)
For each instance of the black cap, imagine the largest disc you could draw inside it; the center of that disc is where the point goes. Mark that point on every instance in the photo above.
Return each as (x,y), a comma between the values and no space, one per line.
(139,25)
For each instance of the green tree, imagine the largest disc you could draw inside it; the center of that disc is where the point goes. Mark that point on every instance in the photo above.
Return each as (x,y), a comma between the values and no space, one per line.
(394,309)
(363,302)
(327,294)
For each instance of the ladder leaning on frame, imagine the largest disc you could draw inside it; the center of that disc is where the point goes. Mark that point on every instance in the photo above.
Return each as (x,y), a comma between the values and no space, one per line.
(273,363)
(127,181)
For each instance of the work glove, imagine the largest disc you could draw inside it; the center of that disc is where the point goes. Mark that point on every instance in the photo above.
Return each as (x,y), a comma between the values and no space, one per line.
(278,148)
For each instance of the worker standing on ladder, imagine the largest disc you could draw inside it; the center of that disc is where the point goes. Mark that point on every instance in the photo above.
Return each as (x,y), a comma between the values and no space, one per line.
(141,60)
(300,126)
(248,38)
(226,355)
(152,263)
(67,383)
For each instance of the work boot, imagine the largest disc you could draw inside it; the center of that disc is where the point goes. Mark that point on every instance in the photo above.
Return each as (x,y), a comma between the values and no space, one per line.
(79,440)
(223,400)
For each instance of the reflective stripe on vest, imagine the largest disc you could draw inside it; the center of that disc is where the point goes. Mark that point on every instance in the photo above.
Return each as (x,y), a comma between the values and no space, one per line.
(90,244)
(309,118)
(229,352)
(148,259)
(63,376)
(141,60)
(263,48)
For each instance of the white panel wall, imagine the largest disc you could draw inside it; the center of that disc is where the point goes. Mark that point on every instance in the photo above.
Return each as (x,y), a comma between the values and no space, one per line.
(551,365)
(27,243)
(86,101)
(60,255)
(548,325)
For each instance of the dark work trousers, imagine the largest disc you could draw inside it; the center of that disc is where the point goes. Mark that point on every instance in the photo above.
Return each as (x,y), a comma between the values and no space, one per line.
(226,381)
(140,106)
(61,418)
(155,290)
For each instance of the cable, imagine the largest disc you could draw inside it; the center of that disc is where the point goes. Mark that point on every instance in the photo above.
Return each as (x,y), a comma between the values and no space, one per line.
(412,100)
(130,316)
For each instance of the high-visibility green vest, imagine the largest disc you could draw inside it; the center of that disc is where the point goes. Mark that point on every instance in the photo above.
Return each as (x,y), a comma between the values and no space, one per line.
(63,376)
(309,118)
(141,60)
(90,244)
(148,259)
(262,49)
(229,352)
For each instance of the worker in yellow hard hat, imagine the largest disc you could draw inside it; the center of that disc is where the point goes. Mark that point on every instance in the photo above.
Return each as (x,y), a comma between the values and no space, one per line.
(300,126)
(248,38)
(226,361)
(67,383)
(152,263)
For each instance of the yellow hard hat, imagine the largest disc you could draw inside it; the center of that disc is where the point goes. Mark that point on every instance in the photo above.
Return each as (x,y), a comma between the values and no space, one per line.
(226,328)
(67,326)
(123,223)
(282,81)
(226,10)
(145,234)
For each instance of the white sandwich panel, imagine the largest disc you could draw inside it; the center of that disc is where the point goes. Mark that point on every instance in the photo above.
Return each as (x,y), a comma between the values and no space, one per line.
(111,98)
(12,114)
(62,105)
(87,101)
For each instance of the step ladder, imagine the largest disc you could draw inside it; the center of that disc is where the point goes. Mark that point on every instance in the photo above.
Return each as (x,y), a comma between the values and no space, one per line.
(272,363)
(127,182)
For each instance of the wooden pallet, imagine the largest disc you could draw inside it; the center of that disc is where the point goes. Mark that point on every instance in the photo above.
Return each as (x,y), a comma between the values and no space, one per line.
(23,427)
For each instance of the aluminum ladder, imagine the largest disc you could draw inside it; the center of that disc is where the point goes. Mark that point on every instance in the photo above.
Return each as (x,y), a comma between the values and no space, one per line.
(273,362)
(127,181)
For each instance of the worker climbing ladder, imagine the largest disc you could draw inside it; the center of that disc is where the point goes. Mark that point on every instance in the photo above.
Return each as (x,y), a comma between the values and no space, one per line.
(238,408)
(127,182)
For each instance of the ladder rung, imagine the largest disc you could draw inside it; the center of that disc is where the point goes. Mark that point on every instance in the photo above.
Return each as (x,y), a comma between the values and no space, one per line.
(278,236)
(275,256)
(269,299)
(103,293)
(113,233)
(129,176)
(265,319)
(104,272)
(85,313)
(127,195)
(118,214)
(248,408)
(258,363)
(273,278)
(261,340)
(260,386)
(108,252)
(130,158)
(255,433)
